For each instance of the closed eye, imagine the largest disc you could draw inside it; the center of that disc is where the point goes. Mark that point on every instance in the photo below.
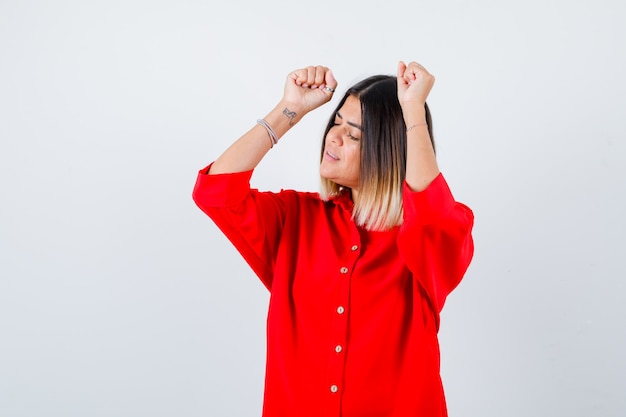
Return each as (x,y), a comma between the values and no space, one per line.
(338,115)
(339,121)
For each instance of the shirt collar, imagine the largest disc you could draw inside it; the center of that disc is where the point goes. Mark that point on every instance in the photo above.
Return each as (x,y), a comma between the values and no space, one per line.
(344,200)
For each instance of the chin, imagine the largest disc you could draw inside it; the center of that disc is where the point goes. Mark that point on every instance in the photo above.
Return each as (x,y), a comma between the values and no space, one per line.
(325,175)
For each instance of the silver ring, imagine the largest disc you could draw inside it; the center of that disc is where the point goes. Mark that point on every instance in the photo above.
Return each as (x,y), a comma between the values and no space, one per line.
(327,88)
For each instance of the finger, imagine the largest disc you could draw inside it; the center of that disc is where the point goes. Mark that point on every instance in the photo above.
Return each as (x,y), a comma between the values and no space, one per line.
(329,85)
(419,69)
(410,72)
(320,73)
(297,76)
(329,80)
(401,69)
(310,76)
(401,73)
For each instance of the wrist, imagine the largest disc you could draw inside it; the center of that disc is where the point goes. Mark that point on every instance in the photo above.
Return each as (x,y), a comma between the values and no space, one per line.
(410,127)
(413,107)
(414,114)
(280,119)
(291,111)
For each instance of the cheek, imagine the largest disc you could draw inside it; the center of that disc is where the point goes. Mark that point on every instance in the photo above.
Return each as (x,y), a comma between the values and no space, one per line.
(355,161)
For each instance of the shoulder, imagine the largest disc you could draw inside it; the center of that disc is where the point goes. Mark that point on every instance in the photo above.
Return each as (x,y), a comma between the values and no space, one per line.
(300,197)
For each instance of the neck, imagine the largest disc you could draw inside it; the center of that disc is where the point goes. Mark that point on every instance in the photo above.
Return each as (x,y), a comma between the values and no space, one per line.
(354,194)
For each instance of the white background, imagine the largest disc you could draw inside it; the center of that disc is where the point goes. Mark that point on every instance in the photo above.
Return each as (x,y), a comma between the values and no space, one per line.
(118,297)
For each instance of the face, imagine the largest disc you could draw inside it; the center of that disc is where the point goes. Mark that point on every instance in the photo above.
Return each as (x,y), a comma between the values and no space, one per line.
(342,146)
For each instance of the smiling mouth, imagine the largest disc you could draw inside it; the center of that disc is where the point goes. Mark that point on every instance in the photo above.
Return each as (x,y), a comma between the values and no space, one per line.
(332,156)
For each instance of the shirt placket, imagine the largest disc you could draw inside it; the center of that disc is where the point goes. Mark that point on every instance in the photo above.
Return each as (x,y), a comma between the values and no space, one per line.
(339,343)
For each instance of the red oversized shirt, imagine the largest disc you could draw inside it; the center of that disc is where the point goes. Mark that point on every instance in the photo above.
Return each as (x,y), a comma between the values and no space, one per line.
(353,314)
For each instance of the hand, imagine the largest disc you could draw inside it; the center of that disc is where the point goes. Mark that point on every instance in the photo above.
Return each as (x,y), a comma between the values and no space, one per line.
(414,83)
(308,88)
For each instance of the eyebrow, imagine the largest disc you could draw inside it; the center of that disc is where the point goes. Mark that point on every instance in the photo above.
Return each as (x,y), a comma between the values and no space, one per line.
(350,123)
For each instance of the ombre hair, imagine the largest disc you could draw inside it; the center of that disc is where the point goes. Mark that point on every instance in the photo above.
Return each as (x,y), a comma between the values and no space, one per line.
(382,167)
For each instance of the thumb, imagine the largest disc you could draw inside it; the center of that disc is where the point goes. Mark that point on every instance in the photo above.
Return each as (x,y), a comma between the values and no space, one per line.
(401,70)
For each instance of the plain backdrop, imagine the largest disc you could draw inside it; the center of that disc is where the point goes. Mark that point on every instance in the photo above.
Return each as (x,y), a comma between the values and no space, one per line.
(119,297)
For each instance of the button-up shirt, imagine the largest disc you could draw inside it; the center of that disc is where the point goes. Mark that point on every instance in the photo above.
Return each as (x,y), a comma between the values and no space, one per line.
(353,314)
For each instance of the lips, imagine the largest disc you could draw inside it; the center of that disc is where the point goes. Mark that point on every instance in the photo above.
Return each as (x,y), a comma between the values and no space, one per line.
(332,155)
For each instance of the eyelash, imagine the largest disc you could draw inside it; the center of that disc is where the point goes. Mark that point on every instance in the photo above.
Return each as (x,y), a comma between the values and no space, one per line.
(348,133)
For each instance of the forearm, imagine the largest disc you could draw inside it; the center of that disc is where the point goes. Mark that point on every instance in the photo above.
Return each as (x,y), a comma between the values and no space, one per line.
(421,164)
(246,153)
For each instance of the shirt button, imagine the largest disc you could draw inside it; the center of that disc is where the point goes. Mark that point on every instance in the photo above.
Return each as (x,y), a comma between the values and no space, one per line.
(338,348)
(334,388)
(340,309)
(355,247)
(344,270)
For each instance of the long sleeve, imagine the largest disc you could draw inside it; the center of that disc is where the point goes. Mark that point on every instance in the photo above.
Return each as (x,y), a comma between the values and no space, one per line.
(250,219)
(435,239)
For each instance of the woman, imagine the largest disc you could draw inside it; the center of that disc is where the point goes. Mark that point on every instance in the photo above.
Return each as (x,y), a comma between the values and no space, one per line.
(358,273)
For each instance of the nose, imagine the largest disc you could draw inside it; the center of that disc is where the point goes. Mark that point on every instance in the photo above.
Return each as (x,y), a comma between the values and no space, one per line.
(335,137)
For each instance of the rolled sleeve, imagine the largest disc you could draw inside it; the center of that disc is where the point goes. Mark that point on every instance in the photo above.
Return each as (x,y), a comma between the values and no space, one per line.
(430,205)
(251,220)
(221,190)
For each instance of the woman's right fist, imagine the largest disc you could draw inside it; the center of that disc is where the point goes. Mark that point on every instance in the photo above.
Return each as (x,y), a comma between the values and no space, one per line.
(310,87)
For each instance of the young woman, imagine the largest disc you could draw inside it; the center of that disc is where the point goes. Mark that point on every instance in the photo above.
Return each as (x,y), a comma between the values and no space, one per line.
(359,272)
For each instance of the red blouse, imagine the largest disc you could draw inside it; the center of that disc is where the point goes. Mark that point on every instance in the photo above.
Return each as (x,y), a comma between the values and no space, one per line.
(353,314)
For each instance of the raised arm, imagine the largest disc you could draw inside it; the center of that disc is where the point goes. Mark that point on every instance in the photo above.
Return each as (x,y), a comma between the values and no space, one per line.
(305,90)
(414,85)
